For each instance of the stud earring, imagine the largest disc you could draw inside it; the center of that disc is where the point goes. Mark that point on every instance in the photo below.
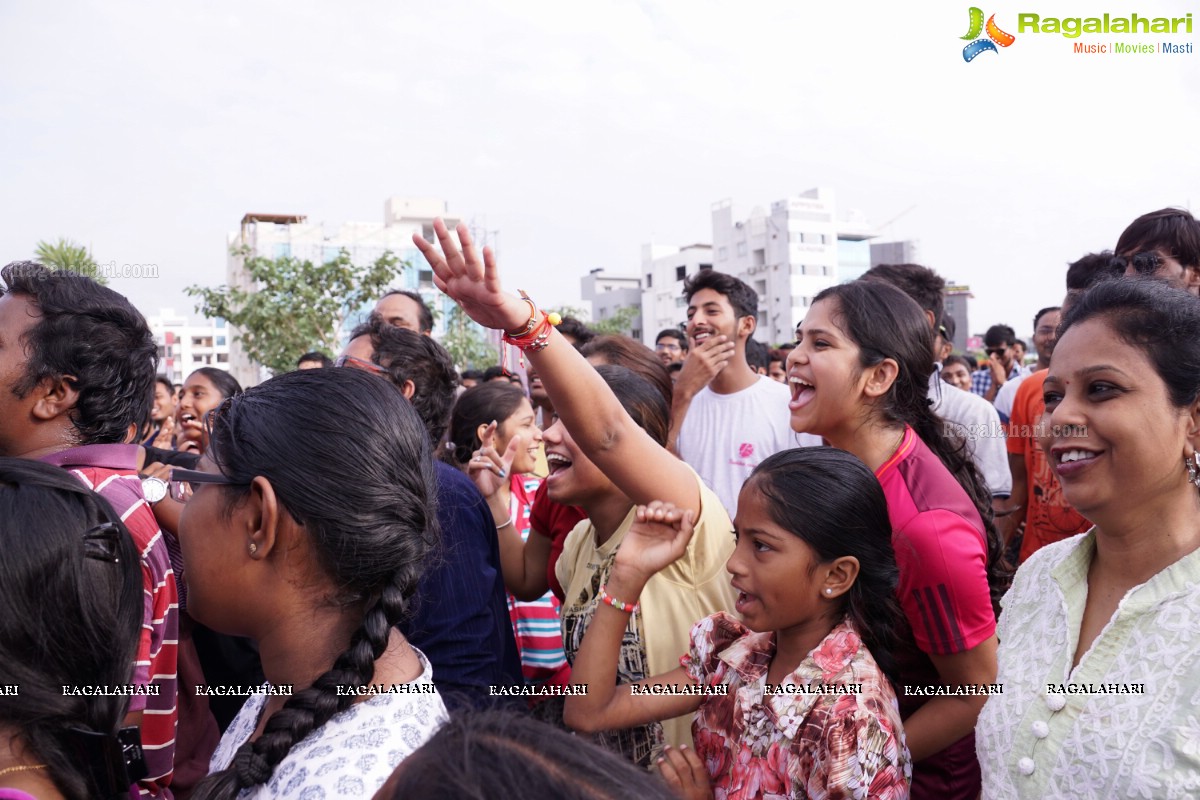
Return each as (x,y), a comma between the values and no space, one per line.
(828,590)
(253,548)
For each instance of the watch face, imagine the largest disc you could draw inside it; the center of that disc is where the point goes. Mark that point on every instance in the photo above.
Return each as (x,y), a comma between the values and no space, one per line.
(154,489)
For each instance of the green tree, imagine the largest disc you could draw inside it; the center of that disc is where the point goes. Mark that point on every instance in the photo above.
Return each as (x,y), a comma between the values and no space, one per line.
(69,256)
(464,340)
(295,306)
(619,322)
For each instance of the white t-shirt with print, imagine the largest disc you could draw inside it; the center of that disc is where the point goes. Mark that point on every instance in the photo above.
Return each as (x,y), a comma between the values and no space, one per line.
(353,753)
(725,436)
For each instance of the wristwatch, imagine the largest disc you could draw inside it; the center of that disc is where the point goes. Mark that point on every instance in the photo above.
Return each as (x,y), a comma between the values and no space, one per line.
(154,489)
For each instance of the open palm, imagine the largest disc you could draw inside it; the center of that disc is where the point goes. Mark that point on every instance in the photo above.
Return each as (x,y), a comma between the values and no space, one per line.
(472,282)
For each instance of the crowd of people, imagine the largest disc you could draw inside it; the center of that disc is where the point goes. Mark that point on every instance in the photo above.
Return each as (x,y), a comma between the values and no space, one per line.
(855,565)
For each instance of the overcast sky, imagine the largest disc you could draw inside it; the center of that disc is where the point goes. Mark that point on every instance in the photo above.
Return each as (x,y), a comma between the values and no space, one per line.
(581,131)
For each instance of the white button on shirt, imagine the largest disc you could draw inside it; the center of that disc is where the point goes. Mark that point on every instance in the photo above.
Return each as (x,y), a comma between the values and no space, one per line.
(1056,702)
(1040,729)
(1025,766)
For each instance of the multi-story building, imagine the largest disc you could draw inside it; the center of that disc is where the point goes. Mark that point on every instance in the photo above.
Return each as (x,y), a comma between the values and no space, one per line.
(790,254)
(278,235)
(610,294)
(664,268)
(956,307)
(184,347)
(906,251)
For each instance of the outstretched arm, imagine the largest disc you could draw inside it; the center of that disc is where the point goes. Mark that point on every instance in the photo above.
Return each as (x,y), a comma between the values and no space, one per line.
(634,462)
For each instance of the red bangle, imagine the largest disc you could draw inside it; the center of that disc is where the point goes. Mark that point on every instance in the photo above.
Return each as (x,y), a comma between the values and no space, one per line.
(605,597)
(534,336)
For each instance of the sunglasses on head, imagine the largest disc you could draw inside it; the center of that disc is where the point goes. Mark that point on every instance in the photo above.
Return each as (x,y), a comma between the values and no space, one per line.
(1147,262)
(359,363)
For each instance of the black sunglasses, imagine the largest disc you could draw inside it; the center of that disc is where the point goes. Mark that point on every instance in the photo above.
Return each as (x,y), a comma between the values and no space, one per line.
(1145,263)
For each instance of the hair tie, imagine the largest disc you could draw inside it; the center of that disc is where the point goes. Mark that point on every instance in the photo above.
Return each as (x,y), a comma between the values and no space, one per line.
(114,762)
(100,542)
(929,401)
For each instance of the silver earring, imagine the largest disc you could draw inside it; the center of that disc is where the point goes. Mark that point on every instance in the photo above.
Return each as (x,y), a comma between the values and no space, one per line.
(828,591)
(253,548)
(1193,468)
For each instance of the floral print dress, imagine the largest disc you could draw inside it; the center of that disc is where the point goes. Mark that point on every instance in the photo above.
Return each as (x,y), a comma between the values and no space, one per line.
(840,739)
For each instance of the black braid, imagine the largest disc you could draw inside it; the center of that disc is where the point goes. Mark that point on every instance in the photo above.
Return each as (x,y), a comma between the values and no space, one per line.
(311,708)
(361,483)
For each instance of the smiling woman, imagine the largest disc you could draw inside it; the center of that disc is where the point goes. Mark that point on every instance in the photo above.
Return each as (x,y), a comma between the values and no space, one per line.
(1095,622)
(859,376)
(496,441)
(606,454)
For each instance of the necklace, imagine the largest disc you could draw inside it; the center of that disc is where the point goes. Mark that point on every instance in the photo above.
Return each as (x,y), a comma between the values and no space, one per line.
(21,768)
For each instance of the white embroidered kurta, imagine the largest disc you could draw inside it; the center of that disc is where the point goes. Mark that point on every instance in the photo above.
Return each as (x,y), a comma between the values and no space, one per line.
(1125,723)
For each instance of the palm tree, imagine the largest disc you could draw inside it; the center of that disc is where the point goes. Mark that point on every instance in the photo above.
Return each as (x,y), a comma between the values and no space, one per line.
(66,255)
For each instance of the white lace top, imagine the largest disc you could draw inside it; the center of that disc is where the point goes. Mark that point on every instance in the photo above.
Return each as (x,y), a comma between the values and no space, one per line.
(1126,721)
(353,753)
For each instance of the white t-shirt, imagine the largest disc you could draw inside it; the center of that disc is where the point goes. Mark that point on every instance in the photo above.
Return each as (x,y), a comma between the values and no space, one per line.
(1006,396)
(725,436)
(353,753)
(976,420)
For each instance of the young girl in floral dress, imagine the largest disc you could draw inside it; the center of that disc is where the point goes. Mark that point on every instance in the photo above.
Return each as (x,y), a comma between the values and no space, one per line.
(792,700)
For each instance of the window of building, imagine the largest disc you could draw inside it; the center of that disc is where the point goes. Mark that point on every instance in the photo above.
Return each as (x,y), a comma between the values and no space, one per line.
(722,254)
(704,267)
(680,302)
(649,280)
(222,358)
(741,248)
(220,341)
(680,273)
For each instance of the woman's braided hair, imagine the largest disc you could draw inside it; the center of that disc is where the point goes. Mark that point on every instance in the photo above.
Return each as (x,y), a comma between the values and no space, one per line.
(349,459)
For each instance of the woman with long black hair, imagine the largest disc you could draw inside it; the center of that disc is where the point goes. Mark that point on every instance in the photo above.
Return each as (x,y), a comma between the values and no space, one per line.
(71,590)
(306,529)
(859,376)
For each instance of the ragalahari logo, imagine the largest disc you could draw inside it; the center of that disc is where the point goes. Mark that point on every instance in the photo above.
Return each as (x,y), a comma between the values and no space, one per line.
(995,36)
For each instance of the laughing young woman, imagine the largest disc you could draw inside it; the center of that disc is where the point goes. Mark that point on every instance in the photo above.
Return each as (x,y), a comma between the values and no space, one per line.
(859,378)
(606,456)
(1099,643)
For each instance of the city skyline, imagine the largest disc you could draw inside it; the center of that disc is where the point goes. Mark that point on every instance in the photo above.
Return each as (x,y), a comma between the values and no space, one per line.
(147,133)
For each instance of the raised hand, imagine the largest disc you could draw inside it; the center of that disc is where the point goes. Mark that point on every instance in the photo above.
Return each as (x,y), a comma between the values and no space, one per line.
(658,538)
(488,468)
(165,433)
(473,283)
